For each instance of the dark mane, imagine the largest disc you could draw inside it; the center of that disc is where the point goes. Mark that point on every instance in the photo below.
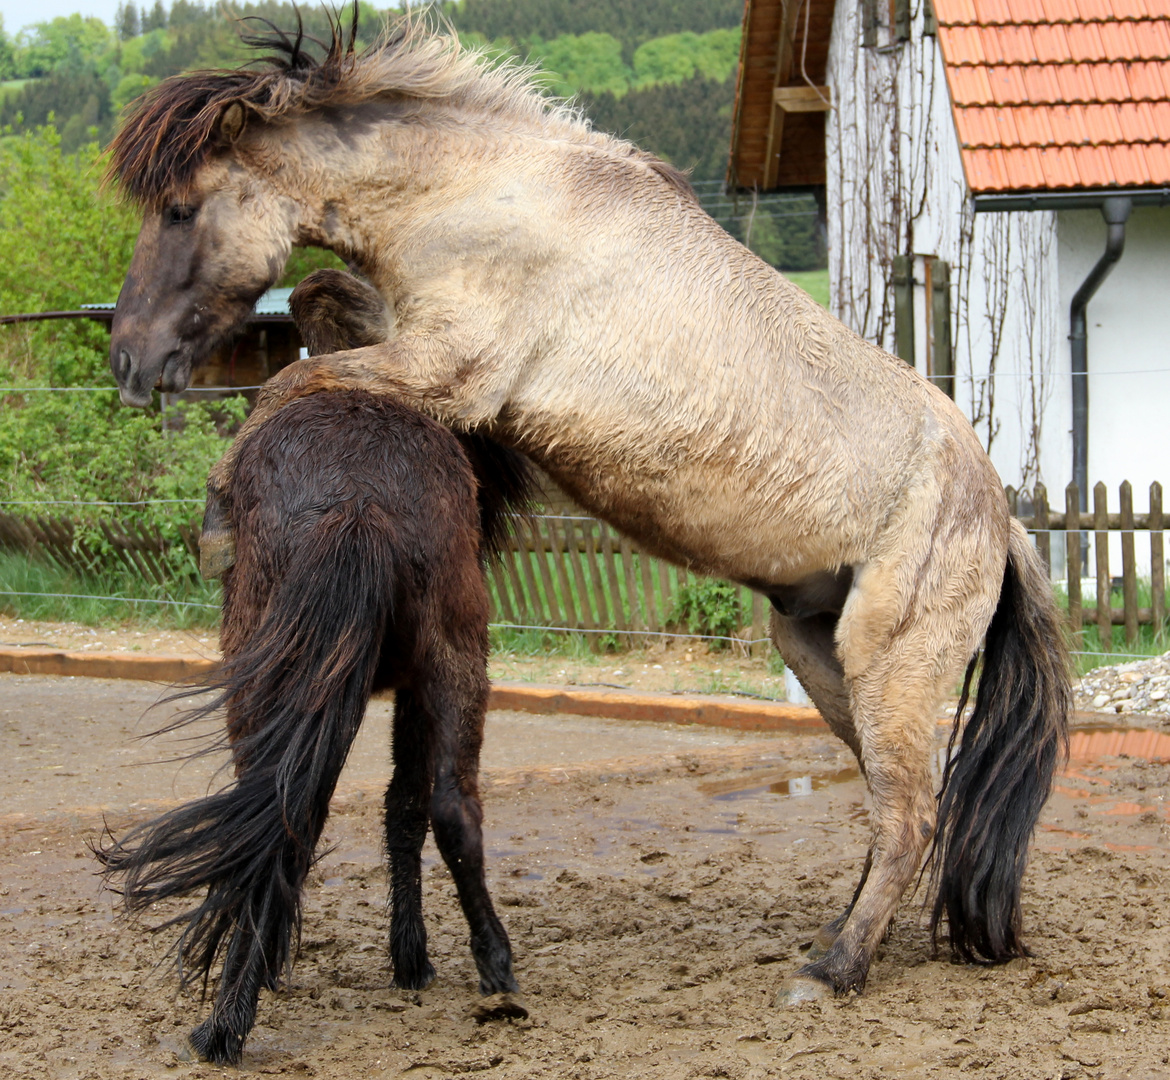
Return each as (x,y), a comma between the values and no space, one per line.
(171,130)
(174,128)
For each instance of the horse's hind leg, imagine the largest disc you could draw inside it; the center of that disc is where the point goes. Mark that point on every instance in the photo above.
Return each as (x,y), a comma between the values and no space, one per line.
(457,700)
(407,813)
(899,659)
(809,648)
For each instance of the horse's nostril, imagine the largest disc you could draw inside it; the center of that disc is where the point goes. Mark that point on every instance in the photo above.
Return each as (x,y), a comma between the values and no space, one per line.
(124,365)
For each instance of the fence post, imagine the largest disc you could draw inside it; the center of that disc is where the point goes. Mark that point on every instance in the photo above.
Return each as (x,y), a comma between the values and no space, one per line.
(1157,561)
(758,624)
(1072,556)
(1101,549)
(1040,523)
(1128,565)
(560,558)
(540,547)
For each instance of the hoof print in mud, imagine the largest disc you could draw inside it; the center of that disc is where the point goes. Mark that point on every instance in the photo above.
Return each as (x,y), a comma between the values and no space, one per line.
(498,1007)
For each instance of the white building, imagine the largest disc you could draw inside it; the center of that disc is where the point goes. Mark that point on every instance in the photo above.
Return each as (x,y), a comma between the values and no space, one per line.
(969,164)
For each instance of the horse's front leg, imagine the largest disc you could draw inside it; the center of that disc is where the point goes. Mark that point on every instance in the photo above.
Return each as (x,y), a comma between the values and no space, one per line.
(426,370)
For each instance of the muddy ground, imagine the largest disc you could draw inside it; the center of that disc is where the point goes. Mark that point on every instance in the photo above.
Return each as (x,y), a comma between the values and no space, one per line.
(657,882)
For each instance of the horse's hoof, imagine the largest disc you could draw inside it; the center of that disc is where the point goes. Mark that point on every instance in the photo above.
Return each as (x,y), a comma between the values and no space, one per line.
(413,978)
(217,552)
(498,1007)
(798,989)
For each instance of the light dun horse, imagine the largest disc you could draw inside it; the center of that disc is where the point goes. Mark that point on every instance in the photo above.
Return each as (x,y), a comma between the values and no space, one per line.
(565,293)
(362,526)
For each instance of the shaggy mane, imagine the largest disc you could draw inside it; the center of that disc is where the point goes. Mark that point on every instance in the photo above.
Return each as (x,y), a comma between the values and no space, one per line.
(173,129)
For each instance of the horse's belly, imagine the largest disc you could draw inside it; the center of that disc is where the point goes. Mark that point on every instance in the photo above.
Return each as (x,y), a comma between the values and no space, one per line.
(701,518)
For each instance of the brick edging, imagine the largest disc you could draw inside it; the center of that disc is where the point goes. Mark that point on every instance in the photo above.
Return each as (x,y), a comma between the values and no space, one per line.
(745,715)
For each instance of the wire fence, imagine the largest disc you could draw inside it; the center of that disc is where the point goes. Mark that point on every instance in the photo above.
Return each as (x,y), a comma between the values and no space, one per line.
(650,634)
(571,574)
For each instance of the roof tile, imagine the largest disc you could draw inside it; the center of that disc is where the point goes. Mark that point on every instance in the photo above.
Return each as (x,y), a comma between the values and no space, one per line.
(993,12)
(1028,11)
(971,85)
(1059,93)
(1159,123)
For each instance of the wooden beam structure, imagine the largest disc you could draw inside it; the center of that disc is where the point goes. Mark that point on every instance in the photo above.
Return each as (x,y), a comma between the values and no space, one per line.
(778,131)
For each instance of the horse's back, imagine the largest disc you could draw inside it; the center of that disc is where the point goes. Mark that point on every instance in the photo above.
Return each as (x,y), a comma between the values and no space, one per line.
(347,477)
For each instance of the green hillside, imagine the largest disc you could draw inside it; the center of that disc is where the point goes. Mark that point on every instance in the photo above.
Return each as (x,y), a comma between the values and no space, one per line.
(81,72)
(658,72)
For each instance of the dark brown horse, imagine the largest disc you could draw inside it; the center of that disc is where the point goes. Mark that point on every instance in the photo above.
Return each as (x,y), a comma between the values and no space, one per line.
(360,545)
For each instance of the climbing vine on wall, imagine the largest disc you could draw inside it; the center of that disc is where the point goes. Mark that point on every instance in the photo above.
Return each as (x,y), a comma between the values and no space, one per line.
(896,187)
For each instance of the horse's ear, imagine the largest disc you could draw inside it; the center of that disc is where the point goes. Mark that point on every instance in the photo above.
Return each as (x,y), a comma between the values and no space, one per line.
(231,122)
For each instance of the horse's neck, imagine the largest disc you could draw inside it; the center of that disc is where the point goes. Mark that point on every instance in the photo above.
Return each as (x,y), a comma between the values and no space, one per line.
(364,194)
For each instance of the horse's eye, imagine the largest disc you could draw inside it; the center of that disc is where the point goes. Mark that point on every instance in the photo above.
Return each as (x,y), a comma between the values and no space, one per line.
(180,215)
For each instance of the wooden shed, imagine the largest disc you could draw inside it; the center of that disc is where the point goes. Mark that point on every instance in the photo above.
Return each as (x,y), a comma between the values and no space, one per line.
(268,342)
(778,128)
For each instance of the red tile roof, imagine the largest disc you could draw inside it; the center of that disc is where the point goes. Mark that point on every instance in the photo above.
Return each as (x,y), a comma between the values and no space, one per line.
(1053,95)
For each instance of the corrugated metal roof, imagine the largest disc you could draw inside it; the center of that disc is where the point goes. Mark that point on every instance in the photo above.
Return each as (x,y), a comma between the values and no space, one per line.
(1059,95)
(273,302)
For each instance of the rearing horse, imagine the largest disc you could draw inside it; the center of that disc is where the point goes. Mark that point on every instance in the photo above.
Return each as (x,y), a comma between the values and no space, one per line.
(564,293)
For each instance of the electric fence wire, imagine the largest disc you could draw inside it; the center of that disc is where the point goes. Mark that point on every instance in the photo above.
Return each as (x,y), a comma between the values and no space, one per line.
(745,642)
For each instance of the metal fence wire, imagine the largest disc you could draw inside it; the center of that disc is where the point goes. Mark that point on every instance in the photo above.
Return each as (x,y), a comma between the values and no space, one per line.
(569,573)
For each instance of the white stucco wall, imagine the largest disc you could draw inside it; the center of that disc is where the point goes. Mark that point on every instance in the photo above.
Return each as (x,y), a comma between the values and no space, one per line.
(1128,348)
(896,186)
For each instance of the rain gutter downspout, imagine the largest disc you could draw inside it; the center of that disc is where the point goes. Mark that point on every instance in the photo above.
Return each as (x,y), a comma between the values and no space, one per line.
(1115,210)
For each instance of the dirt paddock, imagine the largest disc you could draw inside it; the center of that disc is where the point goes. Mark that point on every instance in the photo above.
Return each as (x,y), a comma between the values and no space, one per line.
(657,882)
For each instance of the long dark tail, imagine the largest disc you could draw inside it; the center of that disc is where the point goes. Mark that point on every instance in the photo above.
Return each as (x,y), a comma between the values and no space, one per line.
(995,787)
(295,699)
(507,486)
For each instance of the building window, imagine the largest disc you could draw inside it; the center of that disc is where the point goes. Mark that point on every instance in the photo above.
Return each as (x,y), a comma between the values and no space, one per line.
(884,22)
(922,317)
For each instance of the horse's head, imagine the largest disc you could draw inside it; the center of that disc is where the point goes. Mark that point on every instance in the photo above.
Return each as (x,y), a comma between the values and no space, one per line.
(208,249)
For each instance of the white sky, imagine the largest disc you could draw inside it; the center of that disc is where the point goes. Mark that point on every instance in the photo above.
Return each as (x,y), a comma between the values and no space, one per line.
(21,13)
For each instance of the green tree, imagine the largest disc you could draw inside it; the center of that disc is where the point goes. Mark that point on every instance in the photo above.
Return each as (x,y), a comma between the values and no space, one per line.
(57,100)
(688,123)
(129,87)
(62,243)
(47,46)
(630,23)
(675,58)
(126,22)
(786,234)
(155,18)
(591,62)
(7,54)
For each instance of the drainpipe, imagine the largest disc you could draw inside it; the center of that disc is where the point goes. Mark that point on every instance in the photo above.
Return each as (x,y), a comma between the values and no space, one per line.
(1115,210)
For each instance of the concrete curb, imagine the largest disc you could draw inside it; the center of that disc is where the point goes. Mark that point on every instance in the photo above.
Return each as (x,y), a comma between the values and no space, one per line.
(743,715)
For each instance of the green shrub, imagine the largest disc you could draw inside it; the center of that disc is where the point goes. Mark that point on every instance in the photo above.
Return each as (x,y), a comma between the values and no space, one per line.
(708,607)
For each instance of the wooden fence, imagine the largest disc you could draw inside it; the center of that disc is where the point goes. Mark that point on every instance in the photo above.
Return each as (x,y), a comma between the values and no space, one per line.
(562,571)
(578,573)
(1073,528)
(143,549)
